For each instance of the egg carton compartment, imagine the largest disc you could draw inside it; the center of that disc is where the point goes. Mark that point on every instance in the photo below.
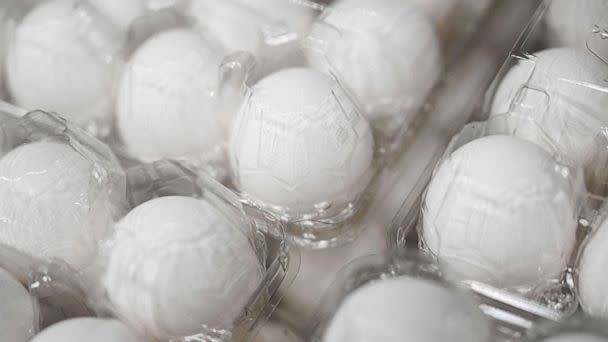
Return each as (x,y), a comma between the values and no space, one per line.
(551,95)
(395,295)
(61,178)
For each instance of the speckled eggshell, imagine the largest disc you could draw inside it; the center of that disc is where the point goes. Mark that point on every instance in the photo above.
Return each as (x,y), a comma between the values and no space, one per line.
(500,210)
(571,23)
(88,329)
(565,101)
(593,296)
(385,52)
(176,263)
(167,103)
(18,311)
(574,337)
(276,332)
(298,141)
(50,66)
(56,207)
(407,308)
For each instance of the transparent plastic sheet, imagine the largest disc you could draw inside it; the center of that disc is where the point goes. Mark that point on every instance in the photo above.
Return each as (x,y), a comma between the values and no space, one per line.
(538,98)
(148,182)
(283,163)
(405,266)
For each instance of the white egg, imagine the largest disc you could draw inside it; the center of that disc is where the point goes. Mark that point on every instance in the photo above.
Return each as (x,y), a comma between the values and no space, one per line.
(385,52)
(176,264)
(593,296)
(563,96)
(58,207)
(500,210)
(403,308)
(168,104)
(87,329)
(298,141)
(452,18)
(276,332)
(53,64)
(121,14)
(571,23)
(574,337)
(18,311)
(256,26)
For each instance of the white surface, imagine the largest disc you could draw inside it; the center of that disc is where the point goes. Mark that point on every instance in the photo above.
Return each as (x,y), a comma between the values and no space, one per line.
(51,66)
(176,263)
(87,329)
(17,310)
(570,23)
(298,141)
(257,26)
(591,275)
(276,332)
(565,98)
(498,210)
(573,337)
(168,106)
(453,16)
(407,308)
(385,52)
(57,208)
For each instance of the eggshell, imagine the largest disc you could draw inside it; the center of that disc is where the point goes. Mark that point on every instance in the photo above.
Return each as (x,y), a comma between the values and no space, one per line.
(176,264)
(562,96)
(87,329)
(407,308)
(502,211)
(385,52)
(593,297)
(57,207)
(18,311)
(298,141)
(168,102)
(54,65)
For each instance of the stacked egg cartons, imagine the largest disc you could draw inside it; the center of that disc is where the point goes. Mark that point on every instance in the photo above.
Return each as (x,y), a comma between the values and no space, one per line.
(514,209)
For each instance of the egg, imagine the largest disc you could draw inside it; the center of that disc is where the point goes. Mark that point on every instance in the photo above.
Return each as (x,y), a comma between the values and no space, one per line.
(501,210)
(59,204)
(572,23)
(18,310)
(57,63)
(168,106)
(410,308)
(385,52)
(575,337)
(87,329)
(454,18)
(298,143)
(265,28)
(593,297)
(178,263)
(563,97)
(276,332)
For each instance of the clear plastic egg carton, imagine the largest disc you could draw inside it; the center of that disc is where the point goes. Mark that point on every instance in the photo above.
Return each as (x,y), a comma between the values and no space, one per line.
(513,199)
(395,296)
(66,194)
(309,141)
(165,79)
